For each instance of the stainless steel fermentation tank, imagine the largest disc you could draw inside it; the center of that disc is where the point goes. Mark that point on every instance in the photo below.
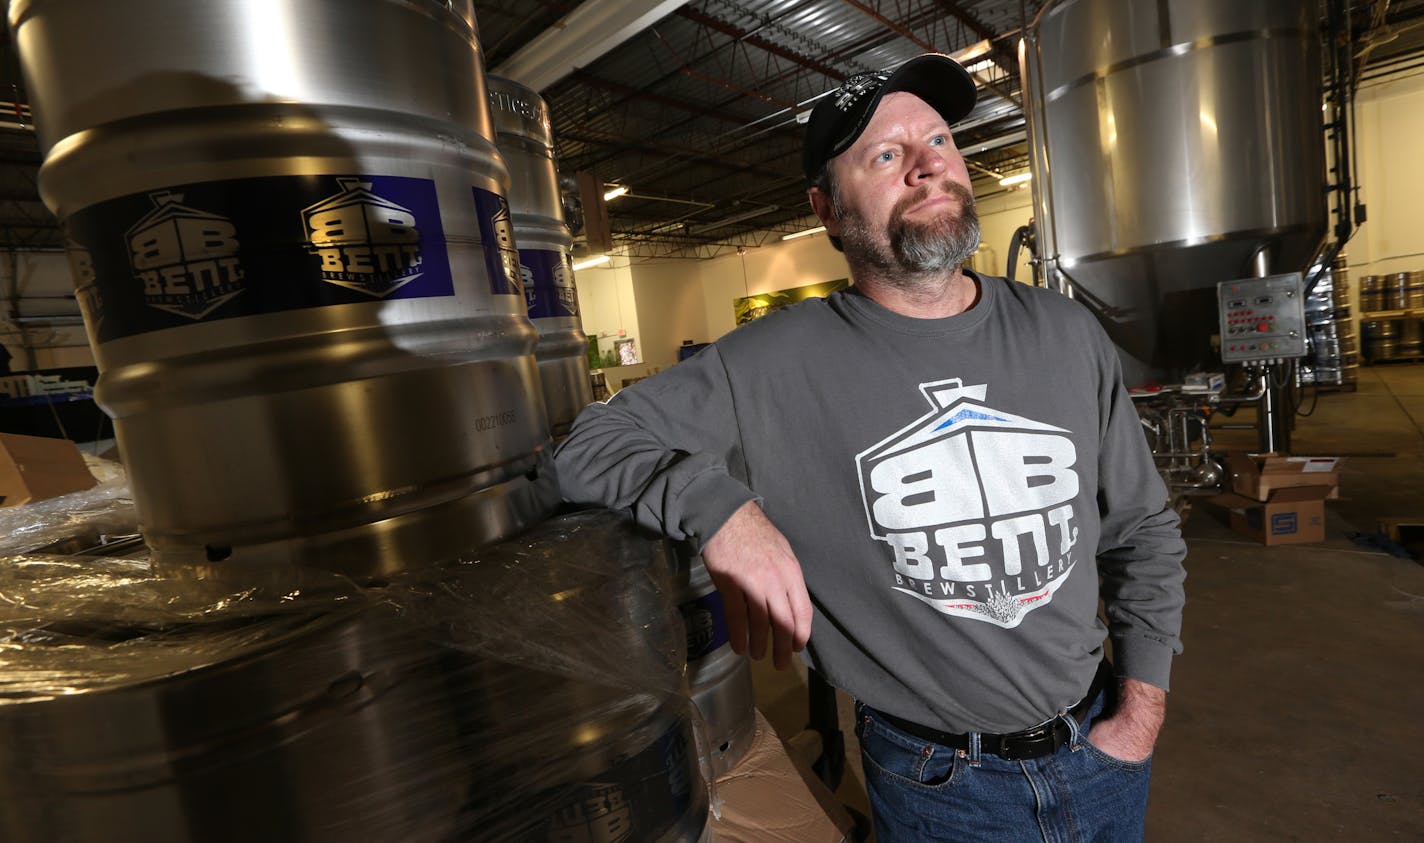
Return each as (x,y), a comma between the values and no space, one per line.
(292,246)
(1172,143)
(526,140)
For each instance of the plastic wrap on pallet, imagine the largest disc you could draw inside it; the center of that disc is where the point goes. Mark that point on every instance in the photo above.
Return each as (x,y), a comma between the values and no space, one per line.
(527,691)
(107,508)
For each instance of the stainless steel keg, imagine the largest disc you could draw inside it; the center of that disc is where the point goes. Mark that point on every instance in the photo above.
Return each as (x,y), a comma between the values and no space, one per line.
(1396,291)
(506,698)
(1371,295)
(293,250)
(1382,339)
(1411,338)
(719,680)
(525,139)
(1413,289)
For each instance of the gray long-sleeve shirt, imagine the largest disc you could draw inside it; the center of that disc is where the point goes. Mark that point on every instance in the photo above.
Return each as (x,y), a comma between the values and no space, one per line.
(954,489)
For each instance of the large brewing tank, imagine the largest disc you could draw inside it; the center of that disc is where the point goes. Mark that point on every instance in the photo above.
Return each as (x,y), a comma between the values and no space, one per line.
(293,251)
(1171,142)
(526,140)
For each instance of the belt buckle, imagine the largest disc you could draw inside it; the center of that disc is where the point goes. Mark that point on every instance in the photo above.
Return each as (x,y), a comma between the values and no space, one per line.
(1032,743)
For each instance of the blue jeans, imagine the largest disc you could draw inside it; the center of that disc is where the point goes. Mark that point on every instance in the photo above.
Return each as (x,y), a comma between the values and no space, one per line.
(923,791)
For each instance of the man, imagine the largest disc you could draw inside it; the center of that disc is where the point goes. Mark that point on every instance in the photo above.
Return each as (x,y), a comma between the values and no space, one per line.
(926,475)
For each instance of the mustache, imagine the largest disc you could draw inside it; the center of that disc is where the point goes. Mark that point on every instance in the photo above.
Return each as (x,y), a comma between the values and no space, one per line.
(925,191)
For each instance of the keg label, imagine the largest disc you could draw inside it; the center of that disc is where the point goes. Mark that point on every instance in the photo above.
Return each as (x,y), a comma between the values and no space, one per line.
(706,623)
(640,798)
(548,277)
(86,292)
(186,258)
(497,235)
(216,250)
(367,241)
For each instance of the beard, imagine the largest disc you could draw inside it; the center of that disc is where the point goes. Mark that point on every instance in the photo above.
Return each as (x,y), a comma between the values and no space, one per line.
(914,247)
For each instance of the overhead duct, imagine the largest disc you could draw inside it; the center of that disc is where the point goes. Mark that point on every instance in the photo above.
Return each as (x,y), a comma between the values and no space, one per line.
(580,38)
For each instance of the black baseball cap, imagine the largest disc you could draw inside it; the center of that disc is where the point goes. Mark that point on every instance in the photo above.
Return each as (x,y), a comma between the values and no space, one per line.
(840,116)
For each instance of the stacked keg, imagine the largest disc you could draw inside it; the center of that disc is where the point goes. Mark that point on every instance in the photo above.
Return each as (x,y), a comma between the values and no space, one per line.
(1371,293)
(513,697)
(526,141)
(293,241)
(1398,294)
(298,276)
(1333,354)
(719,681)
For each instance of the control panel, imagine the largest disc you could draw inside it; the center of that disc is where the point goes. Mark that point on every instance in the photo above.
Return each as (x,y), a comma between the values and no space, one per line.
(1262,318)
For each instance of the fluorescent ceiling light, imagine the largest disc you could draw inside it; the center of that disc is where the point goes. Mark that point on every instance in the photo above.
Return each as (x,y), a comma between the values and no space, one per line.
(593,261)
(1017,178)
(615,193)
(807,233)
(980,66)
(972,52)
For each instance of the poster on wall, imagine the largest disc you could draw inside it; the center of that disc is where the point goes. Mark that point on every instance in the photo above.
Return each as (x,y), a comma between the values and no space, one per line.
(755,307)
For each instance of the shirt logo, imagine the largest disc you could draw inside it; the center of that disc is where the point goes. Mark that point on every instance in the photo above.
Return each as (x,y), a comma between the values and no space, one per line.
(975,506)
(187,259)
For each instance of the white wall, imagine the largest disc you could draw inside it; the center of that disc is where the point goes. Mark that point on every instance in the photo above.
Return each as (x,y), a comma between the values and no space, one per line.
(780,265)
(670,308)
(999,216)
(607,303)
(1389,116)
(47,333)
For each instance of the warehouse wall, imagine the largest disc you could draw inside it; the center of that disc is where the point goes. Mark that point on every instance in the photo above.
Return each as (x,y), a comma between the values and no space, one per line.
(40,325)
(607,302)
(780,265)
(1389,117)
(670,309)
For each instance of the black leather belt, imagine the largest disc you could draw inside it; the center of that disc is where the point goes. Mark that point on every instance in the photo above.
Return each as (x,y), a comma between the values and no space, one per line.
(1041,740)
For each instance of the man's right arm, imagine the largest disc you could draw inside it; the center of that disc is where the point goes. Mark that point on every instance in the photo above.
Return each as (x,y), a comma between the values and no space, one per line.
(668,451)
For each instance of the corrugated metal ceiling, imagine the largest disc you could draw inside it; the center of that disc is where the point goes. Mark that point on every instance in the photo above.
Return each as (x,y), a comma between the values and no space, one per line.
(696,113)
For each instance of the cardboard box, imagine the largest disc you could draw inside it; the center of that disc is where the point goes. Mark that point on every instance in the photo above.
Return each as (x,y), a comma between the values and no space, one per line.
(769,798)
(1293,515)
(33,468)
(1256,476)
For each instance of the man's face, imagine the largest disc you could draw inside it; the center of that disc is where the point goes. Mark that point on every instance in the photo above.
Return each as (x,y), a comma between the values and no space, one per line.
(902,201)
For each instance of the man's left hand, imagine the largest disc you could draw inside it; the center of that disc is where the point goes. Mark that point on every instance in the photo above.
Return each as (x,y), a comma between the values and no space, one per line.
(1131,732)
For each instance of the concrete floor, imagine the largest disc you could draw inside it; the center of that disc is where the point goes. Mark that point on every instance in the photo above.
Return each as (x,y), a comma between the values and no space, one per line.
(1297,708)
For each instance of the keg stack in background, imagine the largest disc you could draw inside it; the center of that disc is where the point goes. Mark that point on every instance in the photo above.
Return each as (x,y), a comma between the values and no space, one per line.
(292,238)
(526,140)
(1392,307)
(1333,359)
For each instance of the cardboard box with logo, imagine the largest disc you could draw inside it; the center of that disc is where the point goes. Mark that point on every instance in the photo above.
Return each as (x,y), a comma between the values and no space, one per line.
(1277,499)
(33,468)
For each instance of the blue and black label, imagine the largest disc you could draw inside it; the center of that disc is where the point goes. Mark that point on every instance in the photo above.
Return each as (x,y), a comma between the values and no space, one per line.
(497,233)
(548,283)
(640,798)
(706,623)
(245,247)
(1285,524)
